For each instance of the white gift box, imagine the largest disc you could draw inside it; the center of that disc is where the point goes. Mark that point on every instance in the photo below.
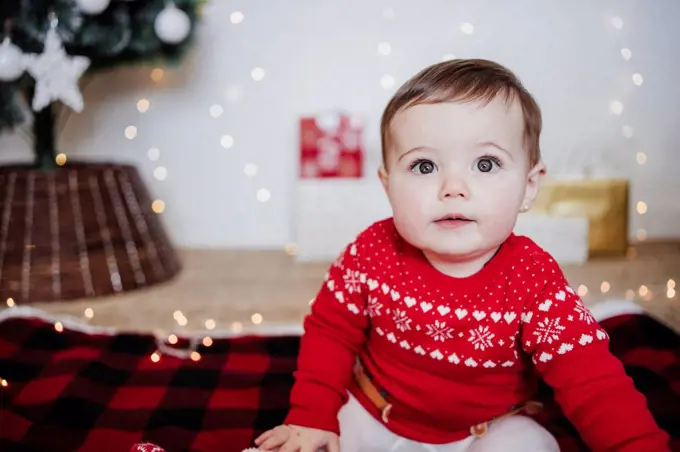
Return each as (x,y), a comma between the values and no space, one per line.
(565,238)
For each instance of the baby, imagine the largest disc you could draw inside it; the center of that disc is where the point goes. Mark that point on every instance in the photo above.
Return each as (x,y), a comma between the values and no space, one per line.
(432,327)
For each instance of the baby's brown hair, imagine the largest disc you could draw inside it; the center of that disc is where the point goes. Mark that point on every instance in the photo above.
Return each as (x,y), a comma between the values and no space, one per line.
(465,80)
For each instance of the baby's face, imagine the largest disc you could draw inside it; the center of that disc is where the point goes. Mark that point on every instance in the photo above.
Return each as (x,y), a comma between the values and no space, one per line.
(457,175)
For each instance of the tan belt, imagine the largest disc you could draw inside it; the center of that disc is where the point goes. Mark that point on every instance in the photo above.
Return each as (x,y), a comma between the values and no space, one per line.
(373,393)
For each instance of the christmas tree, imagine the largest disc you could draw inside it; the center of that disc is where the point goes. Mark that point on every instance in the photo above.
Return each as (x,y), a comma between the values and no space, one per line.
(50,44)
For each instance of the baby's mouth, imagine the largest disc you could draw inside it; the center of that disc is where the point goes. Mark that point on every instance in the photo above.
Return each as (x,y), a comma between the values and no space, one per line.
(454,218)
(453,221)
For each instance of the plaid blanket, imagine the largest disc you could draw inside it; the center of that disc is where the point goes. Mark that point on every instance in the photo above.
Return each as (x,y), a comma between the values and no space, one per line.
(68,390)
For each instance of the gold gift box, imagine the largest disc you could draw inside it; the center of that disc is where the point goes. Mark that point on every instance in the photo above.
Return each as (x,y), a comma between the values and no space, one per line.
(603,201)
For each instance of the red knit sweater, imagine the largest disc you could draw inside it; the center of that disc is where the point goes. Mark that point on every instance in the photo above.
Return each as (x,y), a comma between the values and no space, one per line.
(455,352)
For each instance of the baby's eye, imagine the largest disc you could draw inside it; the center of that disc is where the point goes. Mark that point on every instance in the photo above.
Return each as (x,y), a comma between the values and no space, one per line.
(488,164)
(423,167)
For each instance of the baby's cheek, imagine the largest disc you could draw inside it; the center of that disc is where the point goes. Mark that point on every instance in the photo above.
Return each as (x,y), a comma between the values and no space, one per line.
(500,217)
(407,202)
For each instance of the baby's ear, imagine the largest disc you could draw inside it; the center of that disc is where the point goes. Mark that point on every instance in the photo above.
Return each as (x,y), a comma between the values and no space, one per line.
(534,179)
(382,175)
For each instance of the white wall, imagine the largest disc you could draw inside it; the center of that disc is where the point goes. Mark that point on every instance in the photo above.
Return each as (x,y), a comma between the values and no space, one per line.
(323,55)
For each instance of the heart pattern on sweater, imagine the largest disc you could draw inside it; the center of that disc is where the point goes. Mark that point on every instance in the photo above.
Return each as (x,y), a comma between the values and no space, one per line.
(443,310)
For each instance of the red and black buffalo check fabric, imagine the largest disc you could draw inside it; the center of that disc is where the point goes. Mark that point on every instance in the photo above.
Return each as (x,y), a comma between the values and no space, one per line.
(71,391)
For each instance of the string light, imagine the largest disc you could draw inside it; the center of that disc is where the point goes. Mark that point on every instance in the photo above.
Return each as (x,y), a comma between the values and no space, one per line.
(157,74)
(143,105)
(604,287)
(10,302)
(467,28)
(153,154)
(227,141)
(643,290)
(172,339)
(670,284)
(60,159)
(250,170)
(155,357)
(637,79)
(384,48)
(387,81)
(58,327)
(237,327)
(290,249)
(236,17)
(131,132)
(89,313)
(179,318)
(195,356)
(263,195)
(627,130)
(207,341)
(670,293)
(3,383)
(216,110)
(256,318)
(630,294)
(616,107)
(160,173)
(158,206)
(210,324)
(582,290)
(257,74)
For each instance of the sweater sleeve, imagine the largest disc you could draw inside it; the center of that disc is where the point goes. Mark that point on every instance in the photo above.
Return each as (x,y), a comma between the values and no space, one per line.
(571,352)
(334,332)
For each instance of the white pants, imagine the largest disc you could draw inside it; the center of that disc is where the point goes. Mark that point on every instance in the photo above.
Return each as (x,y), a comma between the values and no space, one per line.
(360,432)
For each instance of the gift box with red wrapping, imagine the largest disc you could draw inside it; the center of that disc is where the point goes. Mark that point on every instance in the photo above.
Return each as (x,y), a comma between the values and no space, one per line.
(331,146)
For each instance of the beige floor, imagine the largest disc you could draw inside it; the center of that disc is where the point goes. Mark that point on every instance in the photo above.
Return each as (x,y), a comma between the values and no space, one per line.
(233,287)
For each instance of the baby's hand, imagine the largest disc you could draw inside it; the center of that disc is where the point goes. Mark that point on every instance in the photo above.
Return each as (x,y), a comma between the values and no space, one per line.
(293,438)
(274,438)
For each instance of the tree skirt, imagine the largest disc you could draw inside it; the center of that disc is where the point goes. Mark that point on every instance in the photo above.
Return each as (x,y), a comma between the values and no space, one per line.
(68,387)
(84,231)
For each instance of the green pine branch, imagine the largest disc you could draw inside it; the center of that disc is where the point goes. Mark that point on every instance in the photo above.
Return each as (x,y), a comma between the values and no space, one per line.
(11,115)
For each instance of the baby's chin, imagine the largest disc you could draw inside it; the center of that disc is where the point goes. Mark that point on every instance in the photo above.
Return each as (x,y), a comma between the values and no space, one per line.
(459,253)
(457,249)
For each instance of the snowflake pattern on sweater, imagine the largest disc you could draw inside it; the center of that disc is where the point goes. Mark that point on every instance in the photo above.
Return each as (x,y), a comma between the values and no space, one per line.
(472,329)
